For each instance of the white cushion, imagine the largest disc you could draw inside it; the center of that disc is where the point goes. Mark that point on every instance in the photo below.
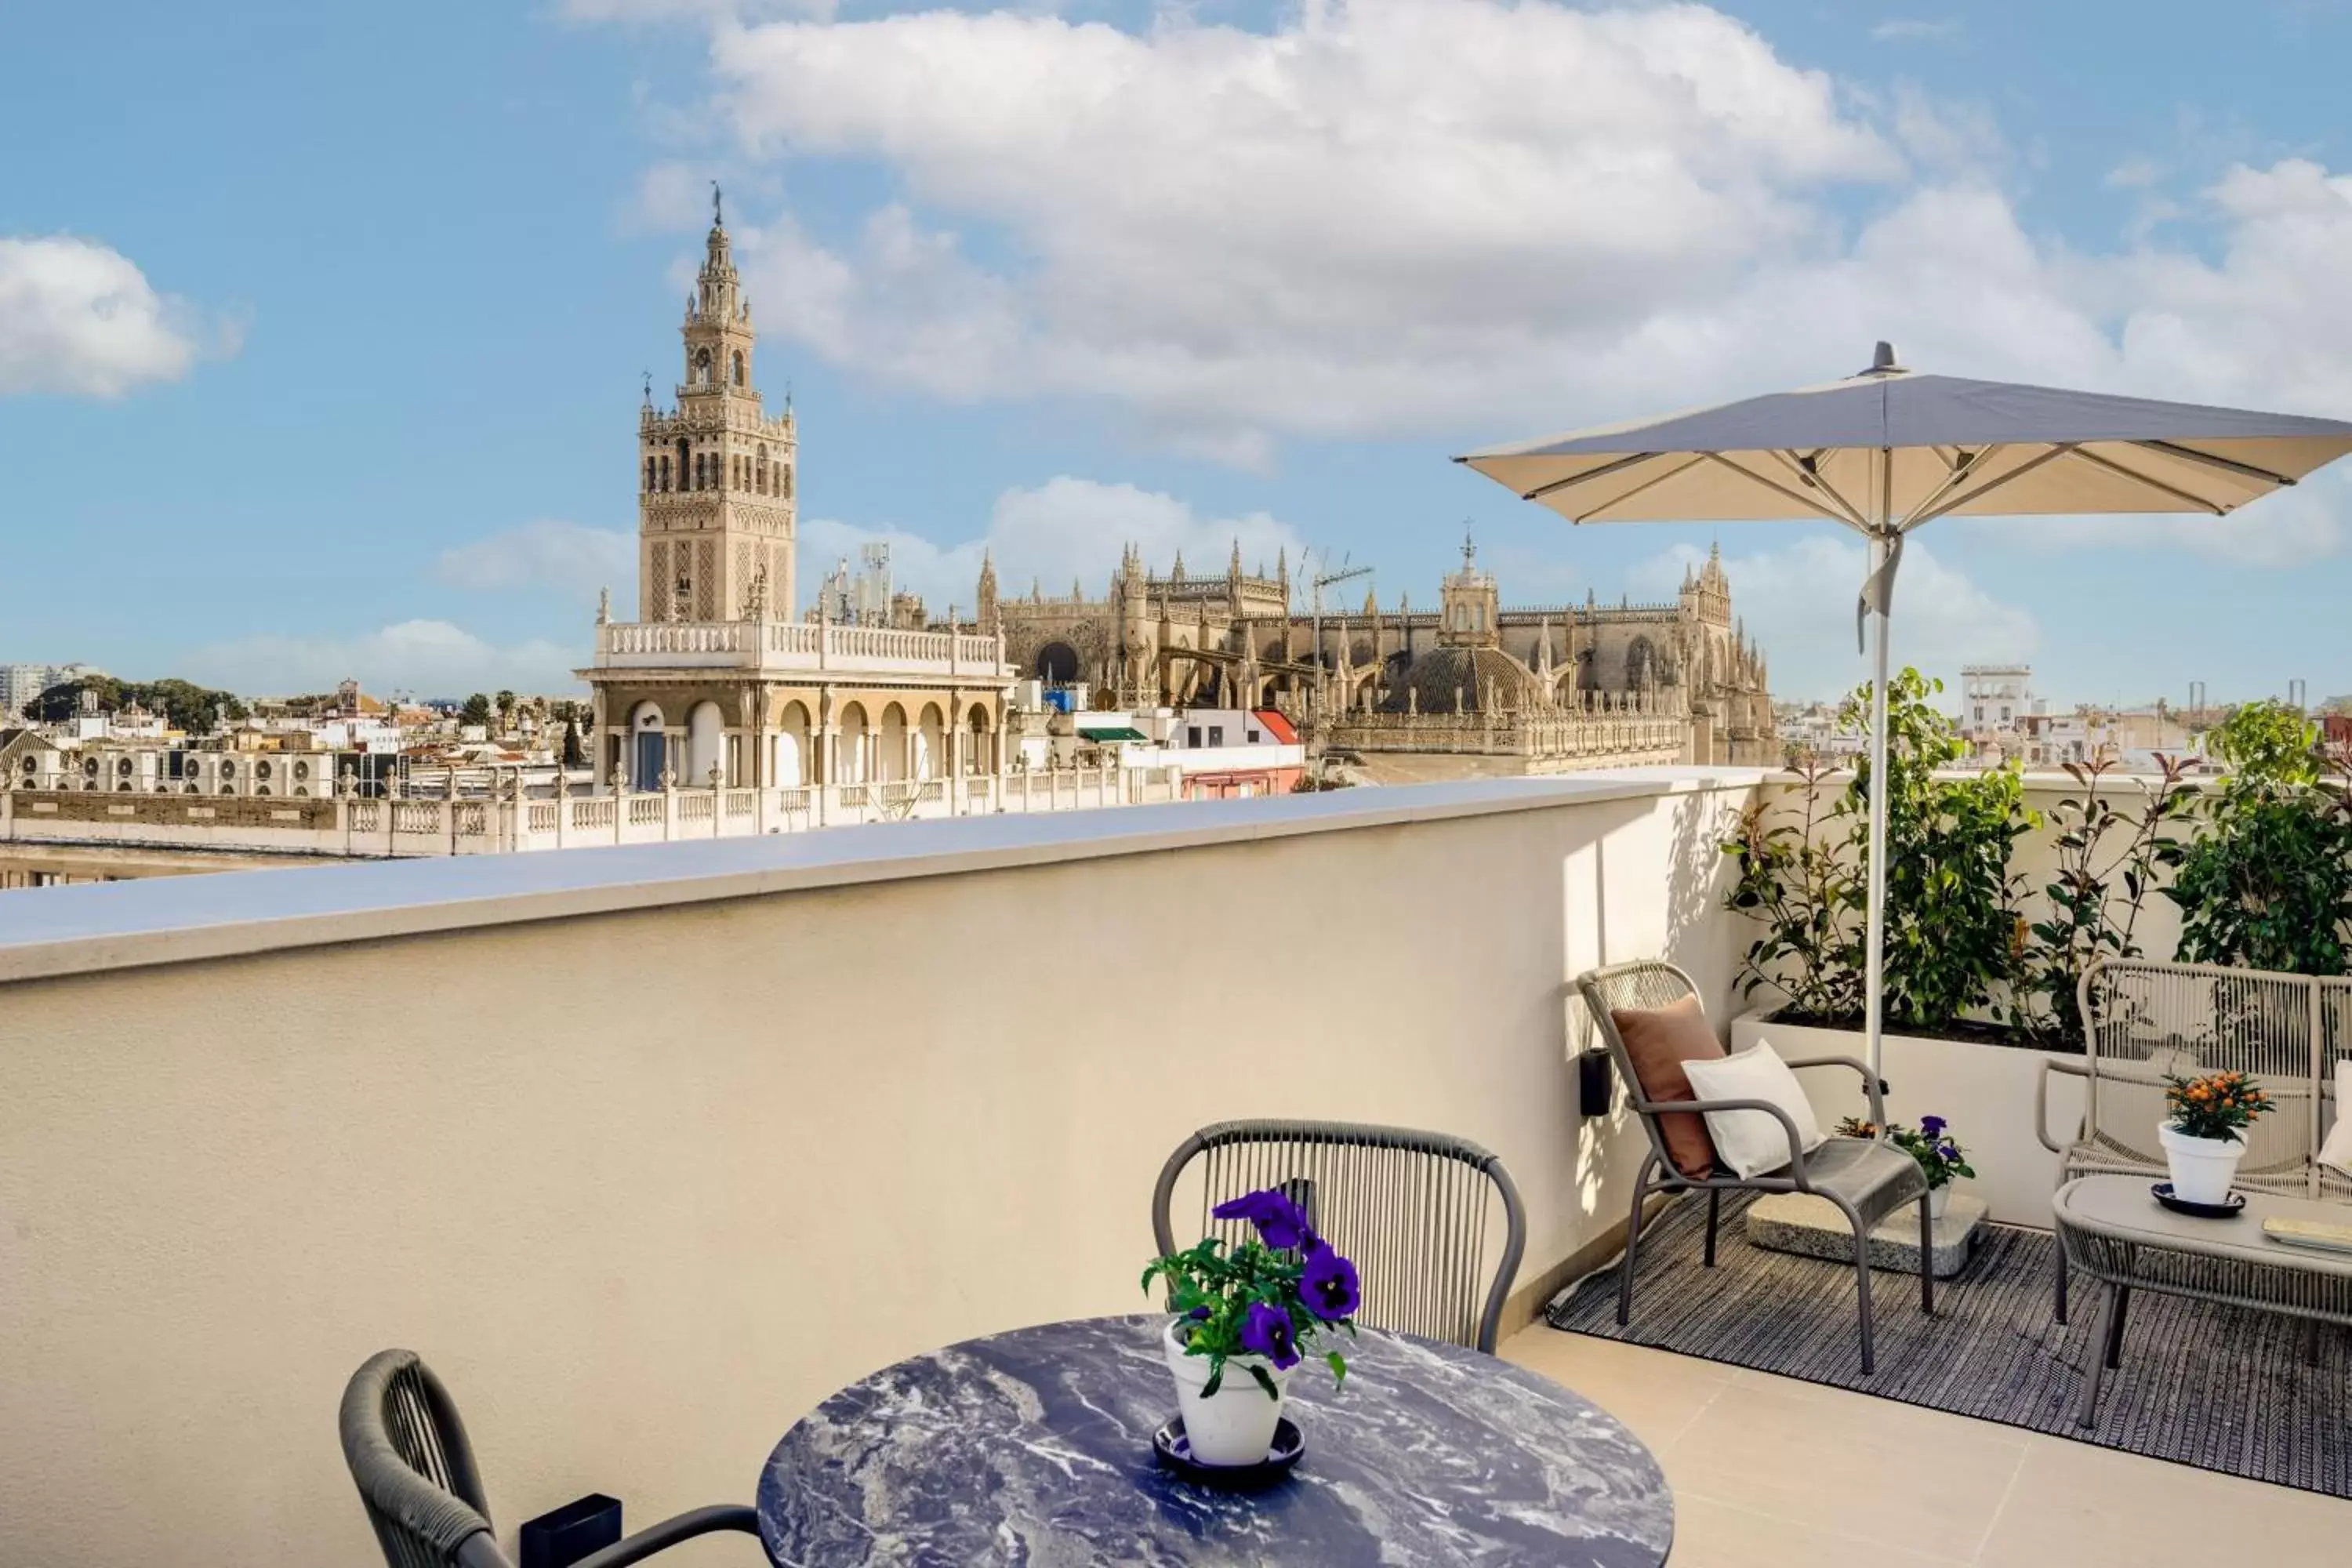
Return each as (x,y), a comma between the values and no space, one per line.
(1753,1141)
(2338,1149)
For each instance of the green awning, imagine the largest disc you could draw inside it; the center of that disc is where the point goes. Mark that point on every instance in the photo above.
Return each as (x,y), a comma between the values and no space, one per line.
(1121,732)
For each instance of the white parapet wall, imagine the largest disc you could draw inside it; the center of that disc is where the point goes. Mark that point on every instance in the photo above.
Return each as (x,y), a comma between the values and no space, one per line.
(649,1149)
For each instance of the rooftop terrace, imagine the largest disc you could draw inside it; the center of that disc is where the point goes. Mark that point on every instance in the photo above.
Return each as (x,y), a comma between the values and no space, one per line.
(649,1149)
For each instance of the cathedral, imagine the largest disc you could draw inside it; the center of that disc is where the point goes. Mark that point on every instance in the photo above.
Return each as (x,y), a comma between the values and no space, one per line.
(1541,688)
(717,683)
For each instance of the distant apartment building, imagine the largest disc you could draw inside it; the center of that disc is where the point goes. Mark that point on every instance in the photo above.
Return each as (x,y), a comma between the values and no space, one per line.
(1996,702)
(20,683)
(2003,721)
(1812,730)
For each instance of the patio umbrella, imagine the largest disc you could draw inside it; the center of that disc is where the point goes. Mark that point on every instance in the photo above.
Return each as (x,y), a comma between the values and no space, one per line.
(1885,451)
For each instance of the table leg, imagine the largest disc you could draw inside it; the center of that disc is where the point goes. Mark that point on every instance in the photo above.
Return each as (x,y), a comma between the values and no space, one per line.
(2114,1346)
(2095,1360)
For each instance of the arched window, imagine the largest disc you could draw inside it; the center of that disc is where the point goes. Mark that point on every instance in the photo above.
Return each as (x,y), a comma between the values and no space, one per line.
(664,473)
(649,473)
(703,367)
(682,469)
(739,367)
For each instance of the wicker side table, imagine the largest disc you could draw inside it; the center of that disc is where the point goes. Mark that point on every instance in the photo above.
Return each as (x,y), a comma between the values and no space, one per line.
(2115,1232)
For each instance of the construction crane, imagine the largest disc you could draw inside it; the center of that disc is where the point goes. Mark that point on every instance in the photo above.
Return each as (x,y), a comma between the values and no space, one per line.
(1325,578)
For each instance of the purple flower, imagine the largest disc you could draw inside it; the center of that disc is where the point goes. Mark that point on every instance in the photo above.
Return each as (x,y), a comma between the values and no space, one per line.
(1329,1285)
(1279,1223)
(1267,1332)
(1932,1126)
(1949,1150)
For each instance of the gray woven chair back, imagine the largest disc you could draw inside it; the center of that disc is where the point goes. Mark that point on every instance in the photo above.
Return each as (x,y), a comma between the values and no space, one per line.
(414,1470)
(2144,1021)
(1433,1223)
(1645,985)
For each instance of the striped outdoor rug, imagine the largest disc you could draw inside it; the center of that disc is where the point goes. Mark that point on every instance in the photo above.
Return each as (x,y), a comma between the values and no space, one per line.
(2247,1394)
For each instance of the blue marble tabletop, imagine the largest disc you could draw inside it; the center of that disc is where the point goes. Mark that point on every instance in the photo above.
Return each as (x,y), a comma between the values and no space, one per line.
(1033,1447)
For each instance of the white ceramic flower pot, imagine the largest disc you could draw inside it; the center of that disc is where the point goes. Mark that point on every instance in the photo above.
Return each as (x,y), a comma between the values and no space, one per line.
(2203,1168)
(1938,1200)
(1235,1425)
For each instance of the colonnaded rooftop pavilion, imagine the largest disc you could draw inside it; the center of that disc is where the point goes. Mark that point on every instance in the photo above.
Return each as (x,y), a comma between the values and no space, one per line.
(677,1169)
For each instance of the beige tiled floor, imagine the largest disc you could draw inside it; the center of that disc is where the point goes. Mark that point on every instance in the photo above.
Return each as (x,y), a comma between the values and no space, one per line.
(1764,1474)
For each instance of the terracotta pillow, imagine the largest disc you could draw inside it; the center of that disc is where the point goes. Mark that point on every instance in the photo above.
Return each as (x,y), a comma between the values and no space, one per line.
(1660,1041)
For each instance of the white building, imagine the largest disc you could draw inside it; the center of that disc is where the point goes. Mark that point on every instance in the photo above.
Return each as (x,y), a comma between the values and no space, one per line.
(1997,707)
(20,683)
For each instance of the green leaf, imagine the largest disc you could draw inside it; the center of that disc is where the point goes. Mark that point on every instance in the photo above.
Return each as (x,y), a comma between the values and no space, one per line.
(1339,1365)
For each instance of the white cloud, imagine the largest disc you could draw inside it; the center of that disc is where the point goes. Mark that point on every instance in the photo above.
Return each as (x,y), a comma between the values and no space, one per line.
(1796,592)
(548,554)
(1048,533)
(1362,223)
(1343,226)
(670,196)
(420,658)
(79,318)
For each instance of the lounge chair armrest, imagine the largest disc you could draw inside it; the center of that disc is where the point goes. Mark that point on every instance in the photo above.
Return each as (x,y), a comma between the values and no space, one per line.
(2041,1100)
(1873,1087)
(1796,1145)
(670,1532)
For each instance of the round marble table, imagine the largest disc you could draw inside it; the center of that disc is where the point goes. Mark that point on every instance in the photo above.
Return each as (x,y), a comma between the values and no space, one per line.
(1034,1447)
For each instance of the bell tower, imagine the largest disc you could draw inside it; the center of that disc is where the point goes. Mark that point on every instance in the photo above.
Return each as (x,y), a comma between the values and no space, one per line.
(718,479)
(1470,615)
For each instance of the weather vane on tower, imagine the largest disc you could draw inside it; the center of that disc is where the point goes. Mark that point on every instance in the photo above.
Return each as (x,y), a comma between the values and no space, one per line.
(717,219)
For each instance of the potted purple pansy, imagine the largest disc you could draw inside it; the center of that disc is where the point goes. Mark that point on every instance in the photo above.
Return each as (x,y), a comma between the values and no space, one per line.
(1257,1308)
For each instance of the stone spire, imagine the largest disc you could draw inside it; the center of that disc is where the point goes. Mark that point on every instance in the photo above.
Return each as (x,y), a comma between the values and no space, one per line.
(717,476)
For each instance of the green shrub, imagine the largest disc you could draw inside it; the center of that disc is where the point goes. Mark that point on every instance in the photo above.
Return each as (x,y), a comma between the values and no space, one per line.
(2269,884)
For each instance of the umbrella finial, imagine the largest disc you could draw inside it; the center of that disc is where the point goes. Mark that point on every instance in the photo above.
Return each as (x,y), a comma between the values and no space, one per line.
(1882,360)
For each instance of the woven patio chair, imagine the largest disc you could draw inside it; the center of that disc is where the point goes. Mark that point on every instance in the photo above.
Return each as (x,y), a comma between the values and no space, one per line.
(1867,1179)
(2144,1021)
(1419,1213)
(415,1473)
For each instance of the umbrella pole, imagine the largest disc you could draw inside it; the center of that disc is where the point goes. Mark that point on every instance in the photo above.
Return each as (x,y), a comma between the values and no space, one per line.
(1875,942)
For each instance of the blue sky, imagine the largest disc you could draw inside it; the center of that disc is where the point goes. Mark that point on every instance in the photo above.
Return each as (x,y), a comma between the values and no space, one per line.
(320,327)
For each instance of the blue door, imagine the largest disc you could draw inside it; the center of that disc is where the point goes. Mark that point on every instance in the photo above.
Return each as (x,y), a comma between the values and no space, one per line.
(650,745)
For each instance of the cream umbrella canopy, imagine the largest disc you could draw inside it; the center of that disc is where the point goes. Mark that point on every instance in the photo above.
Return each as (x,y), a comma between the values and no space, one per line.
(1885,451)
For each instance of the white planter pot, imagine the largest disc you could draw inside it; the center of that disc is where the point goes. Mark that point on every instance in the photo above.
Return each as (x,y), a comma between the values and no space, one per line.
(2203,1168)
(1938,1200)
(1235,1425)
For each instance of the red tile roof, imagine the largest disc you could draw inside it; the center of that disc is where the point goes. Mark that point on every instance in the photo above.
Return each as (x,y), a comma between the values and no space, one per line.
(1277,726)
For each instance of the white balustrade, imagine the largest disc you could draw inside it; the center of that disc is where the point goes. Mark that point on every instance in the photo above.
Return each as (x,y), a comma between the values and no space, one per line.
(799,645)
